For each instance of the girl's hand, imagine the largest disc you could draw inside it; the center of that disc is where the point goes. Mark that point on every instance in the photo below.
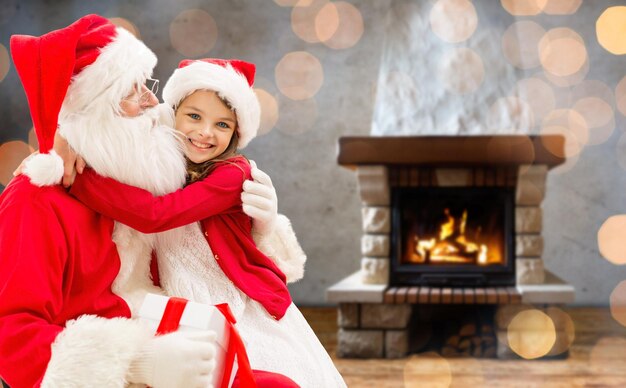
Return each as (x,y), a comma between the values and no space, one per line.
(260,201)
(72,163)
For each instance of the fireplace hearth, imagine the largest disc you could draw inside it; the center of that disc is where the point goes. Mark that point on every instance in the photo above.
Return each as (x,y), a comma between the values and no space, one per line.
(447,220)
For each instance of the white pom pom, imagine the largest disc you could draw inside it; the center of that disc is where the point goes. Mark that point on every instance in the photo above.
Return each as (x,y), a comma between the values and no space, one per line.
(44,169)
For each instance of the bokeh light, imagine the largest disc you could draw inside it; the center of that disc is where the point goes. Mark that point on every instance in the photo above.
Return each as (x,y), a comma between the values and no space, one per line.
(299,75)
(621,151)
(327,21)
(538,94)
(5,63)
(427,370)
(11,155)
(127,25)
(608,356)
(618,300)
(562,52)
(510,115)
(611,241)
(505,314)
(566,167)
(520,42)
(523,7)
(566,330)
(599,116)
(303,19)
(339,25)
(595,101)
(569,80)
(562,7)
(303,3)
(611,29)
(453,21)
(531,334)
(571,125)
(193,33)
(269,111)
(462,71)
(296,117)
(620,96)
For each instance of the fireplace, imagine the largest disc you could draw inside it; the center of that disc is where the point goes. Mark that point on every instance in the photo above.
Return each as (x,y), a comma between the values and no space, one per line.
(461,210)
(451,236)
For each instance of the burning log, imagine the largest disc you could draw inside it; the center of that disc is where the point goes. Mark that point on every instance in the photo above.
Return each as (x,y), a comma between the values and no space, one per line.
(450,246)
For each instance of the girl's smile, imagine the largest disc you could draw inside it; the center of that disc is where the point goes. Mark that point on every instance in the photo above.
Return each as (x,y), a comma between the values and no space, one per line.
(200,145)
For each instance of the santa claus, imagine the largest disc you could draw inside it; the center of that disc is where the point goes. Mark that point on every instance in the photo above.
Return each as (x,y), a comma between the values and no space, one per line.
(73,279)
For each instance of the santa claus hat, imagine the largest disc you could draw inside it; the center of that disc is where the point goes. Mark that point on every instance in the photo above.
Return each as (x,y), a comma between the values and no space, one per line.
(74,68)
(232,80)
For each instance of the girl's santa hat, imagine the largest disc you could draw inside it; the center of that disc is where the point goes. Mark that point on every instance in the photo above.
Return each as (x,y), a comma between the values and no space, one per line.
(232,79)
(84,68)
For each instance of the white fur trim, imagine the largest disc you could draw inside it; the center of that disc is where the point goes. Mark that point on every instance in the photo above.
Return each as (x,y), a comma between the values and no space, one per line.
(283,248)
(95,352)
(121,64)
(44,169)
(133,281)
(228,83)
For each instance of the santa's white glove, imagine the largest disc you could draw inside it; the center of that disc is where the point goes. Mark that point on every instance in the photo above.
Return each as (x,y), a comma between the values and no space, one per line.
(179,359)
(260,202)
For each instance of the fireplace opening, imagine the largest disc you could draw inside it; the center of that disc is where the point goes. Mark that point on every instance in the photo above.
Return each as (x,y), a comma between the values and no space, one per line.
(454,236)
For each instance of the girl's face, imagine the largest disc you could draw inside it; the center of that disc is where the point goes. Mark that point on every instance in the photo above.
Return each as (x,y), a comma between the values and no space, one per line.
(207,123)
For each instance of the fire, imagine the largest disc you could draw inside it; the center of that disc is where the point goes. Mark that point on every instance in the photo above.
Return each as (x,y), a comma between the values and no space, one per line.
(451,245)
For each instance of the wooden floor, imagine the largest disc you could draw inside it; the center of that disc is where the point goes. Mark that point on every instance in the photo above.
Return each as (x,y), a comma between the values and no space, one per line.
(597,359)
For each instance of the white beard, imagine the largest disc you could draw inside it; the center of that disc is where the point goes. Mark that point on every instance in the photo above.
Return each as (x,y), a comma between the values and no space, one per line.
(138,152)
(135,151)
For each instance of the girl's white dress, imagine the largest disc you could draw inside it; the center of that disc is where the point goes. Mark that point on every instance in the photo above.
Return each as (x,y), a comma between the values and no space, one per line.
(288,346)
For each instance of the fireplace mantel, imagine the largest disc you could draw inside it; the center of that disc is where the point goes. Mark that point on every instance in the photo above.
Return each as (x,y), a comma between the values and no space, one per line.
(452,150)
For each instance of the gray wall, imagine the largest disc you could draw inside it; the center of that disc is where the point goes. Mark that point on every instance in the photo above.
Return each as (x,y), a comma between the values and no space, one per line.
(318,196)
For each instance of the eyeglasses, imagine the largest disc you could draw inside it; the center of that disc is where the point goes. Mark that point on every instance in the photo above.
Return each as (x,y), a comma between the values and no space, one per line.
(151,87)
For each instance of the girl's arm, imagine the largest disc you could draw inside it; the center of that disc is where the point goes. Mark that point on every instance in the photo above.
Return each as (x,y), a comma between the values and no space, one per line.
(139,209)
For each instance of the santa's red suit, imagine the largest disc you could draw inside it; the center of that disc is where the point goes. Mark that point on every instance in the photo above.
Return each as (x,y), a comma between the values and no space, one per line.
(58,263)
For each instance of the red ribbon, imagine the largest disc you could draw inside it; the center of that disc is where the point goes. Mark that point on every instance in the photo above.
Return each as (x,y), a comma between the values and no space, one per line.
(171,321)
(171,316)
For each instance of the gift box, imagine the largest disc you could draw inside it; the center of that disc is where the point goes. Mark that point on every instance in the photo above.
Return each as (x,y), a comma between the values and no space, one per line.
(167,314)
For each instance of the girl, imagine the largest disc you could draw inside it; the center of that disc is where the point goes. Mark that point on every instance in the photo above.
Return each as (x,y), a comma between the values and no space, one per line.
(216,112)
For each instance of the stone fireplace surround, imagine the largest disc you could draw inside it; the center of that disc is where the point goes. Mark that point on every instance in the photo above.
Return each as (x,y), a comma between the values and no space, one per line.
(374,324)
